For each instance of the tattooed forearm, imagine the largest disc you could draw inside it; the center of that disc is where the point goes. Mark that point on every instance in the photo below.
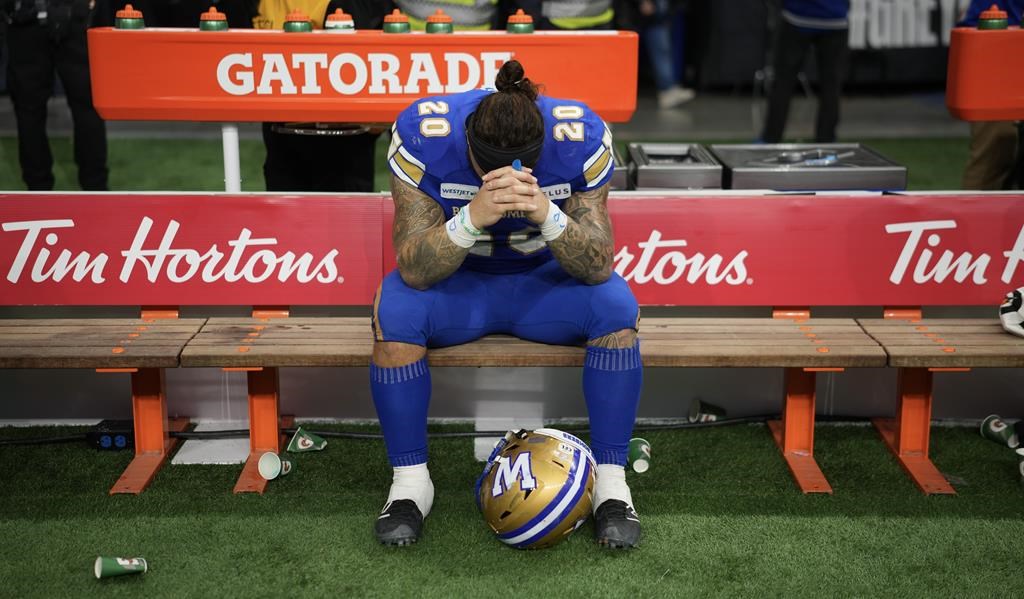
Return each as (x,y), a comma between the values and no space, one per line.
(425,253)
(585,250)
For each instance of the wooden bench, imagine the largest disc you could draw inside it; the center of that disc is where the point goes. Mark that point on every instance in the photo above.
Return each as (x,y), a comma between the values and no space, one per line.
(802,347)
(918,348)
(333,249)
(141,347)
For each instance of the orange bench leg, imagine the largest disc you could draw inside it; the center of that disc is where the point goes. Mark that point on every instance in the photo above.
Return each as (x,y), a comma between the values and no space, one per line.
(152,442)
(264,427)
(794,434)
(907,434)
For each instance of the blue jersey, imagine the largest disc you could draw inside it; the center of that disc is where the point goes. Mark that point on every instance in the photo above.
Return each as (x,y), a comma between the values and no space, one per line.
(429,151)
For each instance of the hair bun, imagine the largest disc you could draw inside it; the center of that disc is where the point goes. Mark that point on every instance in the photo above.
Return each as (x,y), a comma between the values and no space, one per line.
(512,79)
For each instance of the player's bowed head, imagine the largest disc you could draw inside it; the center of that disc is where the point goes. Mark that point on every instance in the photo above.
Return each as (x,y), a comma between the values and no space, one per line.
(506,126)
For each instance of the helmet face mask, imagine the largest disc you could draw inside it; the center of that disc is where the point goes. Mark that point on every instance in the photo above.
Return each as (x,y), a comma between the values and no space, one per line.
(1011,315)
(537,487)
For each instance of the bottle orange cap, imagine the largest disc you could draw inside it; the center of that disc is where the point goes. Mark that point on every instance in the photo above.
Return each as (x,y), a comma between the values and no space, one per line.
(339,15)
(520,17)
(396,16)
(128,12)
(994,12)
(213,15)
(439,17)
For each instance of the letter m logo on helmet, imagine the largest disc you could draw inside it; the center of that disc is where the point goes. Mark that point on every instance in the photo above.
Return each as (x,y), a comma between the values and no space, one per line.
(509,471)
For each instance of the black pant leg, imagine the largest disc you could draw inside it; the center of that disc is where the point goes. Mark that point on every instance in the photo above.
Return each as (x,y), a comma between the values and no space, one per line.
(30,82)
(283,169)
(831,50)
(344,163)
(790,48)
(318,163)
(72,58)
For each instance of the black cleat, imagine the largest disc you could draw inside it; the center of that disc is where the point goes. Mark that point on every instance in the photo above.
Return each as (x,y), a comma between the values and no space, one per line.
(616,525)
(399,523)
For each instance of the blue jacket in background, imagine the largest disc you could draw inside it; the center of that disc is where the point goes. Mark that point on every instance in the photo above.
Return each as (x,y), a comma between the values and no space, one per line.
(816,14)
(1014,8)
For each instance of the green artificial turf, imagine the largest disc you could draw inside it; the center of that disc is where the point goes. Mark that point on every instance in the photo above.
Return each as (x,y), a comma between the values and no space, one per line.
(197,165)
(158,164)
(721,517)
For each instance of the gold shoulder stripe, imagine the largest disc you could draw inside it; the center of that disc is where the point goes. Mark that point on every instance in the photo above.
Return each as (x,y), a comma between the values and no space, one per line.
(408,165)
(396,142)
(596,170)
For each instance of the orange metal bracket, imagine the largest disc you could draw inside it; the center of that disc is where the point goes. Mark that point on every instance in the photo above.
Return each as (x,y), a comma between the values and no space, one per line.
(152,442)
(793,312)
(902,312)
(264,427)
(794,434)
(264,420)
(907,434)
(157,312)
(270,311)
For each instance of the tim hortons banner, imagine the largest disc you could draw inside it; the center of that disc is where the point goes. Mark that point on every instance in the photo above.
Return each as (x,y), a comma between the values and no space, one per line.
(359,77)
(189,249)
(210,249)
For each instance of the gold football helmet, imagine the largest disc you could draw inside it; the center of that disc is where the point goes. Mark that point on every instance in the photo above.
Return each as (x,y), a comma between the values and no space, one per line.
(537,487)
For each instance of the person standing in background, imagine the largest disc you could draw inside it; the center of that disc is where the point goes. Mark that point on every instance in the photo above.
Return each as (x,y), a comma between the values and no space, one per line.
(467,15)
(822,24)
(997,149)
(43,37)
(565,14)
(334,159)
(656,32)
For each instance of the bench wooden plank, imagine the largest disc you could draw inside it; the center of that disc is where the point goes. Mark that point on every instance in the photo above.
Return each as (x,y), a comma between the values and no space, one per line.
(956,339)
(76,324)
(764,344)
(915,356)
(134,356)
(940,330)
(661,320)
(514,352)
(645,327)
(947,343)
(868,322)
(94,343)
(69,345)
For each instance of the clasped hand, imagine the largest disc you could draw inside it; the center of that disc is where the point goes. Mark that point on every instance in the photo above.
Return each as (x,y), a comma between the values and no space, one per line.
(507,190)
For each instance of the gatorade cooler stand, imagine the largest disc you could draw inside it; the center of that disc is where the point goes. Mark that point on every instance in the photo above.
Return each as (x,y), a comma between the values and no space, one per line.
(334,76)
(984,81)
(326,76)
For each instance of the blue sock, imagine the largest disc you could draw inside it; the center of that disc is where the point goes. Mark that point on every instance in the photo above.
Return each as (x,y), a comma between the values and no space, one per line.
(402,396)
(611,387)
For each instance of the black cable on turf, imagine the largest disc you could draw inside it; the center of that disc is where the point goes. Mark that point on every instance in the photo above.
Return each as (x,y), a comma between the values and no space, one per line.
(42,440)
(242,433)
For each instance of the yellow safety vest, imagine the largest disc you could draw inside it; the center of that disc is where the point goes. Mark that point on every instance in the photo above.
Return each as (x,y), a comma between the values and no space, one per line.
(271,14)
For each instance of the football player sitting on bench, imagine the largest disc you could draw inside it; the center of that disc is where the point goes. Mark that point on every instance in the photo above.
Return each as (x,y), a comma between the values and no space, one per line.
(485,248)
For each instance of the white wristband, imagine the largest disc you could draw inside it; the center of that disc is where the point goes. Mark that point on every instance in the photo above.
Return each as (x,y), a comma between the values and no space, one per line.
(461,230)
(554,225)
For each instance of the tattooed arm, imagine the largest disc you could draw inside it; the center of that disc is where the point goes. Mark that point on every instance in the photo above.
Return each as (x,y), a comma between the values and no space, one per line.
(425,253)
(586,249)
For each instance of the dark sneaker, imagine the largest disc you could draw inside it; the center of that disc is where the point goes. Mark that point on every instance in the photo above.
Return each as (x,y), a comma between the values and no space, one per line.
(616,525)
(399,523)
